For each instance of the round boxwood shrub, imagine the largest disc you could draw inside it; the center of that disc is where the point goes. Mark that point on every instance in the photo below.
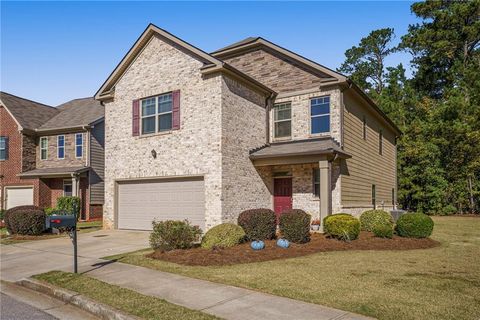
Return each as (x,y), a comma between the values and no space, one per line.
(295,226)
(414,225)
(370,219)
(342,226)
(26,220)
(224,235)
(383,231)
(258,224)
(172,234)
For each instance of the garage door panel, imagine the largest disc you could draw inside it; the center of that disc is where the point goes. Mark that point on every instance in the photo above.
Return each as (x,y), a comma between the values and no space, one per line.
(139,203)
(21,196)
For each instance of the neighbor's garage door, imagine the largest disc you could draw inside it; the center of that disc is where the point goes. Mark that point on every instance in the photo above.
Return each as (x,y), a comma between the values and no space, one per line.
(140,202)
(19,197)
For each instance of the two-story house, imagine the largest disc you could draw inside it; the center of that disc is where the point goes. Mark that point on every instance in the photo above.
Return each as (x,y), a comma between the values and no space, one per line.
(48,152)
(198,136)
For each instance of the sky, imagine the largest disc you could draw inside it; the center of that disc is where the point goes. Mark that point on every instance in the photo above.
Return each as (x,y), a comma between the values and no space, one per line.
(53,52)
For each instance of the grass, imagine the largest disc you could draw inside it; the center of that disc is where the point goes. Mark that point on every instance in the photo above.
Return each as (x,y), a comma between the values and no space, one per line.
(437,283)
(82,227)
(126,300)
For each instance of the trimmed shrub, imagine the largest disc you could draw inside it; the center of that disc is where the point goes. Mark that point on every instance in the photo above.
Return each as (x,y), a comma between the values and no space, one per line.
(68,204)
(224,235)
(383,231)
(372,218)
(2,213)
(26,220)
(258,224)
(342,226)
(414,225)
(295,226)
(171,234)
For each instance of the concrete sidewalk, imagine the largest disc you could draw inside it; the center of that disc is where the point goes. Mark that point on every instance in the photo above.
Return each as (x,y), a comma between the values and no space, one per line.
(217,299)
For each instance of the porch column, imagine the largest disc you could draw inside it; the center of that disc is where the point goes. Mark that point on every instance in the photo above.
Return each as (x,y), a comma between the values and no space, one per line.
(75,186)
(325,190)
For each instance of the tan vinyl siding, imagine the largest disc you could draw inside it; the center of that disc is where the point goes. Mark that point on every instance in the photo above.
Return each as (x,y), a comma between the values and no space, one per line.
(367,166)
(97,163)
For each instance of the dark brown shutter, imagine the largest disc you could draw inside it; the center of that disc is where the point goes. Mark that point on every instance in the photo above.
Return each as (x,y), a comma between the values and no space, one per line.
(176,110)
(136,117)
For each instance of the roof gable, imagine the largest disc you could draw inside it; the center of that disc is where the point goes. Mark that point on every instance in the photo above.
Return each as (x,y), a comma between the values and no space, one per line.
(28,114)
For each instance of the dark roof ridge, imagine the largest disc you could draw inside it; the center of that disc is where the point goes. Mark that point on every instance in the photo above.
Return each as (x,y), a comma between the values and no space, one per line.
(39,103)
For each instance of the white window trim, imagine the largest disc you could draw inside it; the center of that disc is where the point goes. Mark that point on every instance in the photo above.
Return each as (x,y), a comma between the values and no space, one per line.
(46,148)
(4,148)
(283,120)
(320,115)
(78,145)
(156,115)
(67,182)
(58,147)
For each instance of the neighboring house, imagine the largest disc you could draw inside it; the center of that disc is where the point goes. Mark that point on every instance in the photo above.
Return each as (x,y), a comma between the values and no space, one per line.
(48,152)
(198,136)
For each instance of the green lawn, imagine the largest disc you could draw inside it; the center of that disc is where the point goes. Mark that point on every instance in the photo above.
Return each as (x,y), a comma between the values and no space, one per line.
(128,301)
(438,283)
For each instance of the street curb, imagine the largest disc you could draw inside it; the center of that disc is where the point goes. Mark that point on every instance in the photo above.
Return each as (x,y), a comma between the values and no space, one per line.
(98,309)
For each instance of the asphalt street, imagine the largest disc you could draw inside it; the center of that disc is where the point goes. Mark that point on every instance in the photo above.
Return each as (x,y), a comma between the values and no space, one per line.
(11,309)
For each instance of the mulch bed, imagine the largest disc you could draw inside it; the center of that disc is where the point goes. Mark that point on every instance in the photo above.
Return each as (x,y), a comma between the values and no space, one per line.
(319,243)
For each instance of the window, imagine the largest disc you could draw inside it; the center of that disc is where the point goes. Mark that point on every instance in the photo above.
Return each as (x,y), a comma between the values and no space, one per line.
(282,119)
(320,115)
(380,142)
(393,197)
(43,148)
(61,147)
(67,188)
(156,114)
(364,128)
(316,182)
(3,148)
(374,200)
(79,145)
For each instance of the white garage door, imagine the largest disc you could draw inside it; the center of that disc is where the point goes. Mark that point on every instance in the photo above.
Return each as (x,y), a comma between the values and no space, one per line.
(19,197)
(140,202)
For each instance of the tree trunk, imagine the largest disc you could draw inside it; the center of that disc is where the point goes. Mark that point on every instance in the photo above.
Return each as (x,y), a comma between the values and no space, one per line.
(472,200)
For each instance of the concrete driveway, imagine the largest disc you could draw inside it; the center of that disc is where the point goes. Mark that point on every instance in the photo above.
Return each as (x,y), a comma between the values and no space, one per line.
(22,260)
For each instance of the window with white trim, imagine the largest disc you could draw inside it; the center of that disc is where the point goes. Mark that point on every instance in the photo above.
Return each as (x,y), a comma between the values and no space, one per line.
(282,120)
(316,182)
(3,148)
(156,113)
(79,145)
(67,188)
(320,115)
(61,147)
(43,148)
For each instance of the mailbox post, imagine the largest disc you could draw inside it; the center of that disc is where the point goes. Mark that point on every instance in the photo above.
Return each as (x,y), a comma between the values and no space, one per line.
(68,222)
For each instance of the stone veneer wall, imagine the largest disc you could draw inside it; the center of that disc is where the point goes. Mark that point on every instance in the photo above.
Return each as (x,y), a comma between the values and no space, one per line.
(301,115)
(194,150)
(243,129)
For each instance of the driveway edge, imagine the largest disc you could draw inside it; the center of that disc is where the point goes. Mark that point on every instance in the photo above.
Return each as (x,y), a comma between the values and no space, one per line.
(98,309)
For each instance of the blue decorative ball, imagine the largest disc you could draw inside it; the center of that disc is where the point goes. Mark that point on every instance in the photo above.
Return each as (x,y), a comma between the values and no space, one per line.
(257,245)
(283,243)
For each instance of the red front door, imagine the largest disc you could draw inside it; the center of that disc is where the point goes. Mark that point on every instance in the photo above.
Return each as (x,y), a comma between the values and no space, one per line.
(282,195)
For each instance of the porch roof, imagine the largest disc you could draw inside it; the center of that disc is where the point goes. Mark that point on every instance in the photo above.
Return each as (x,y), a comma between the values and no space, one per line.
(311,147)
(53,172)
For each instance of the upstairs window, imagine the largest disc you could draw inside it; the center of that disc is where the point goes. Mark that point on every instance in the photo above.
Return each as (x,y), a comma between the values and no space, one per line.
(380,142)
(320,115)
(43,148)
(79,145)
(316,182)
(374,197)
(282,119)
(3,148)
(61,147)
(156,114)
(364,129)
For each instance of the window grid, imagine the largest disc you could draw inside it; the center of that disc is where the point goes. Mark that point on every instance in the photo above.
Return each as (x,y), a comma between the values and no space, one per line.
(3,148)
(320,115)
(157,114)
(61,147)
(43,148)
(79,145)
(316,182)
(282,119)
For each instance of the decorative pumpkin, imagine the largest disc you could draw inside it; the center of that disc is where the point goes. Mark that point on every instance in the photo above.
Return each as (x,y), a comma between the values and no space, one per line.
(283,243)
(257,245)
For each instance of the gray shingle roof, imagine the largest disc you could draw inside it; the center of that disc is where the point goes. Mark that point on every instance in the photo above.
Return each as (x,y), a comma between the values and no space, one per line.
(29,114)
(237,44)
(75,113)
(298,148)
(53,171)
